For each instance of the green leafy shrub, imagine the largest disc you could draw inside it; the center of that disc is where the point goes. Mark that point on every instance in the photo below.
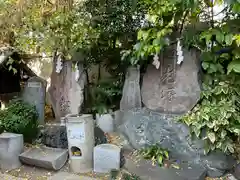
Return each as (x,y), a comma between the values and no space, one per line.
(216,119)
(21,118)
(155,153)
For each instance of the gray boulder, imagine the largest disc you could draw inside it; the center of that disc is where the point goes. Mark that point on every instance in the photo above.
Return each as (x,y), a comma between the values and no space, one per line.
(143,127)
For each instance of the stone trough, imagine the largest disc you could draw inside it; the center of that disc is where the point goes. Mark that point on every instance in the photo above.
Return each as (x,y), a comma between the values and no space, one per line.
(45,157)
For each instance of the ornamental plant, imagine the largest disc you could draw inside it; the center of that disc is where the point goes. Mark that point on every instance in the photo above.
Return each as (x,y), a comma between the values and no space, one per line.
(21,118)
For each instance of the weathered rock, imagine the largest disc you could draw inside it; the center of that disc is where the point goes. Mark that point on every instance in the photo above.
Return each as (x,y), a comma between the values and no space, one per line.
(106,158)
(55,136)
(66,93)
(131,96)
(11,145)
(236,171)
(172,88)
(34,93)
(144,127)
(44,157)
(146,171)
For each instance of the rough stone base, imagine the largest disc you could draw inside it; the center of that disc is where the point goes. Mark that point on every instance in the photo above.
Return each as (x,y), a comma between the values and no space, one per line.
(146,171)
(44,157)
(143,127)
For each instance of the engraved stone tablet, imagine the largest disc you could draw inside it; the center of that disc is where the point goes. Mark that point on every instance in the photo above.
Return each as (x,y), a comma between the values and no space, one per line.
(106,158)
(172,88)
(131,96)
(34,93)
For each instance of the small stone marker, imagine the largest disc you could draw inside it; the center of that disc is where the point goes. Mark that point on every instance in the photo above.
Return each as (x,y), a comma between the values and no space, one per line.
(45,157)
(106,158)
(131,95)
(34,93)
(11,145)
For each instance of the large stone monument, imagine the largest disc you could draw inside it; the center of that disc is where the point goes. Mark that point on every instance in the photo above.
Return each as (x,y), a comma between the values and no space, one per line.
(66,92)
(172,88)
(167,93)
(34,93)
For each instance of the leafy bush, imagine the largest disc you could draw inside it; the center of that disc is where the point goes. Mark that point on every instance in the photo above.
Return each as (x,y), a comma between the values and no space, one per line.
(155,153)
(216,119)
(21,118)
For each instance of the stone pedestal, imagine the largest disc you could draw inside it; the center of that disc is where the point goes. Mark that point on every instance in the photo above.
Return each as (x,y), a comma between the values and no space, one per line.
(106,158)
(11,145)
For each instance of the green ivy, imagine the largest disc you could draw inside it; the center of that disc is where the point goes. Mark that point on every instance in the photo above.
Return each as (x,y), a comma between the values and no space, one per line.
(155,153)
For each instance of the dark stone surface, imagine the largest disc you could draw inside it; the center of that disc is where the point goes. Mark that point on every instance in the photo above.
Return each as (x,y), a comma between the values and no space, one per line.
(143,127)
(236,171)
(100,137)
(55,136)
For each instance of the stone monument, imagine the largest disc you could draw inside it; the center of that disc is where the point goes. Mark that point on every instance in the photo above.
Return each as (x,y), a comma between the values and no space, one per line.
(66,92)
(172,88)
(131,97)
(34,93)
(167,93)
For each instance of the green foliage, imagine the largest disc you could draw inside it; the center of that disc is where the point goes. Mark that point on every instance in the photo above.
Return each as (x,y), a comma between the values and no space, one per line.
(155,153)
(216,119)
(116,174)
(20,118)
(126,176)
(105,96)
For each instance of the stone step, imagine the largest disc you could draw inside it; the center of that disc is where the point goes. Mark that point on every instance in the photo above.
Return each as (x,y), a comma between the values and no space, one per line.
(45,157)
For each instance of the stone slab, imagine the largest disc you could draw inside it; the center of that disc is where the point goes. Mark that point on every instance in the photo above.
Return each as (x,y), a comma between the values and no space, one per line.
(106,158)
(45,157)
(69,176)
(11,145)
(146,171)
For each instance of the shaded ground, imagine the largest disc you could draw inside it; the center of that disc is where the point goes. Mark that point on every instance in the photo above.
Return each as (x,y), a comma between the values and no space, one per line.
(33,173)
